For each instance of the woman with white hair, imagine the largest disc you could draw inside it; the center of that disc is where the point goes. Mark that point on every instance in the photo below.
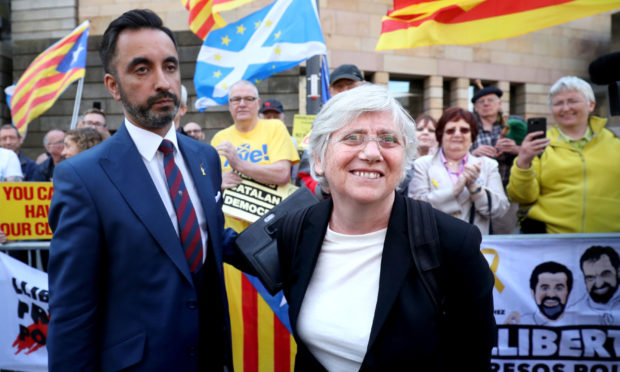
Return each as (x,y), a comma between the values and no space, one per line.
(568,180)
(356,292)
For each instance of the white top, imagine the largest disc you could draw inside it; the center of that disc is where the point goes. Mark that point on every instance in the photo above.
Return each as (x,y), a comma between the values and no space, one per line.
(339,306)
(147,144)
(9,165)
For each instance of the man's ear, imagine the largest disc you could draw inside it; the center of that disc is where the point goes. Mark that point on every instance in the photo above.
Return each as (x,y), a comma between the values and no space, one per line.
(113,86)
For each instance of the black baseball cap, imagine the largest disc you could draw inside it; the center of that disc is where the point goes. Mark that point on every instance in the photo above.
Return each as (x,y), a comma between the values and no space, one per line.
(272,105)
(346,72)
(486,90)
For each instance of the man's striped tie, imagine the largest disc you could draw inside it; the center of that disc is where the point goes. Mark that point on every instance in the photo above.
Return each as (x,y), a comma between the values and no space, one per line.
(189,230)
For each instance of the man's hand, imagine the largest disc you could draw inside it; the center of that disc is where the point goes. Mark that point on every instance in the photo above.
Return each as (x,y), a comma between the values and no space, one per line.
(230,179)
(229,151)
(507,145)
(485,150)
(3,238)
(531,147)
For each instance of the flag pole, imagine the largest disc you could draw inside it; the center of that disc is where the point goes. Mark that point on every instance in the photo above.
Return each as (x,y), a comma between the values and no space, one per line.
(76,104)
(313,80)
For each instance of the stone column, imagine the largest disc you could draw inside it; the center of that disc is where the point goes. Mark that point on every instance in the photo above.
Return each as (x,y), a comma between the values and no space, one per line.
(433,96)
(459,93)
(381,78)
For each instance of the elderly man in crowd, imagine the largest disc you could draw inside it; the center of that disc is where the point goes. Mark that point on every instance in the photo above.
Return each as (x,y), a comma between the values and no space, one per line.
(194,130)
(54,144)
(272,109)
(268,140)
(11,139)
(488,110)
(95,118)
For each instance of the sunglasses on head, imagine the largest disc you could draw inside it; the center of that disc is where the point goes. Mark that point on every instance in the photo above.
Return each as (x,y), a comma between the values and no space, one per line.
(451,131)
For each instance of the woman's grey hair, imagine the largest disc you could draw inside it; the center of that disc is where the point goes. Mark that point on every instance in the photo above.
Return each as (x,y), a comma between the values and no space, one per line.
(572,83)
(344,108)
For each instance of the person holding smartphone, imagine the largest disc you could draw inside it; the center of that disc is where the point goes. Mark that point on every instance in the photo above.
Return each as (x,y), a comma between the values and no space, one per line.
(573,186)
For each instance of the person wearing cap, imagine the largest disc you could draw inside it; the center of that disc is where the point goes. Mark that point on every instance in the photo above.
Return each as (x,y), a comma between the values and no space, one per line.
(343,78)
(260,149)
(490,143)
(272,109)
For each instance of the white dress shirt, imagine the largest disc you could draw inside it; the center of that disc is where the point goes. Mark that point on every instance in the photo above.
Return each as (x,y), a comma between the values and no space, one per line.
(148,143)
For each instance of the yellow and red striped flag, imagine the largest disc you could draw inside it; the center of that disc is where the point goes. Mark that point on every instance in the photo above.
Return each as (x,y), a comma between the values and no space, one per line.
(48,76)
(261,332)
(414,23)
(204,15)
(223,5)
(202,19)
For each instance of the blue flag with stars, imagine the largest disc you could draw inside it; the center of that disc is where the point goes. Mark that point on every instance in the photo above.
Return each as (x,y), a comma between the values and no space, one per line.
(273,39)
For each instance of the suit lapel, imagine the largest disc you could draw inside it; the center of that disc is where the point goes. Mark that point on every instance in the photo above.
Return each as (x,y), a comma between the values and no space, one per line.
(395,264)
(125,168)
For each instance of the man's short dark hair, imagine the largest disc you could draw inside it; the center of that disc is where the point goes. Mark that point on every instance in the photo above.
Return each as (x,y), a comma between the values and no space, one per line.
(11,126)
(552,268)
(595,253)
(132,20)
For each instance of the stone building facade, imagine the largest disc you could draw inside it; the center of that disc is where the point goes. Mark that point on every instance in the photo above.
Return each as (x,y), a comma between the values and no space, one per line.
(428,79)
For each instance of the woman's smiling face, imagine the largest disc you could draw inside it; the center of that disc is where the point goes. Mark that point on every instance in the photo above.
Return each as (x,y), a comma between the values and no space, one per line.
(366,172)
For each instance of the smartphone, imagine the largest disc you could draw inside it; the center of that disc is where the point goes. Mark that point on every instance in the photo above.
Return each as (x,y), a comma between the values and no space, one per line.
(97,105)
(537,125)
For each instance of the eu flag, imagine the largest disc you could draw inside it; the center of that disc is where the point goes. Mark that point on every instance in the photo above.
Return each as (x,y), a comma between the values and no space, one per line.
(273,39)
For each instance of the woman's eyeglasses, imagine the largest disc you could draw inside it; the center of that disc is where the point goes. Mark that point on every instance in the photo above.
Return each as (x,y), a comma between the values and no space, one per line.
(385,141)
(451,131)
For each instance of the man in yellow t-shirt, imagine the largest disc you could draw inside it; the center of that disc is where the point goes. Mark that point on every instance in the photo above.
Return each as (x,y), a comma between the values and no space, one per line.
(260,149)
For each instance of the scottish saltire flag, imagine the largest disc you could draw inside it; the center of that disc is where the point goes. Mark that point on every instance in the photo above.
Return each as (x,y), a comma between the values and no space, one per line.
(273,39)
(48,76)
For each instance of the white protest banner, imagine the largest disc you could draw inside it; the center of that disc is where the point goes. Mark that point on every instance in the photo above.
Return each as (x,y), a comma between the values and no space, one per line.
(557,302)
(249,200)
(24,316)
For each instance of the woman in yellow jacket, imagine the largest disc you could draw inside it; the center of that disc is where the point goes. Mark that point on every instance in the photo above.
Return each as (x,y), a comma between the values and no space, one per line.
(574,186)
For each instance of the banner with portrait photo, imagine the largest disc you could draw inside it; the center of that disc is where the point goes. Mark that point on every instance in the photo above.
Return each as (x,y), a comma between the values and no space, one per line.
(24,316)
(557,302)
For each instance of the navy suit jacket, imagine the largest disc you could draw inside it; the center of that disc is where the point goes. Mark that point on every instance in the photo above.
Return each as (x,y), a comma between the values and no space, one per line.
(407,332)
(121,293)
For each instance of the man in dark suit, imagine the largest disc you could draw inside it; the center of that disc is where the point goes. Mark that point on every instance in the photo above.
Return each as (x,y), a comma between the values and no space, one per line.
(136,284)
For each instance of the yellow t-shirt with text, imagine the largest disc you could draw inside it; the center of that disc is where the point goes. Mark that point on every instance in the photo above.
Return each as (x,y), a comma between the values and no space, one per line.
(267,143)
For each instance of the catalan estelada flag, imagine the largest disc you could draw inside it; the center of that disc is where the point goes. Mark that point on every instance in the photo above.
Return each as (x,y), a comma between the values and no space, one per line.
(414,23)
(261,332)
(48,76)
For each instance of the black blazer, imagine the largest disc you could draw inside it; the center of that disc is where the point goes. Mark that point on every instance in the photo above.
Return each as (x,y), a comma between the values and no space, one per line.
(407,330)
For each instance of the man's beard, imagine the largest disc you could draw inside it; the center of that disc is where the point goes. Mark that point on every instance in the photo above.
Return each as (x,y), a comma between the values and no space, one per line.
(603,298)
(144,115)
(552,312)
